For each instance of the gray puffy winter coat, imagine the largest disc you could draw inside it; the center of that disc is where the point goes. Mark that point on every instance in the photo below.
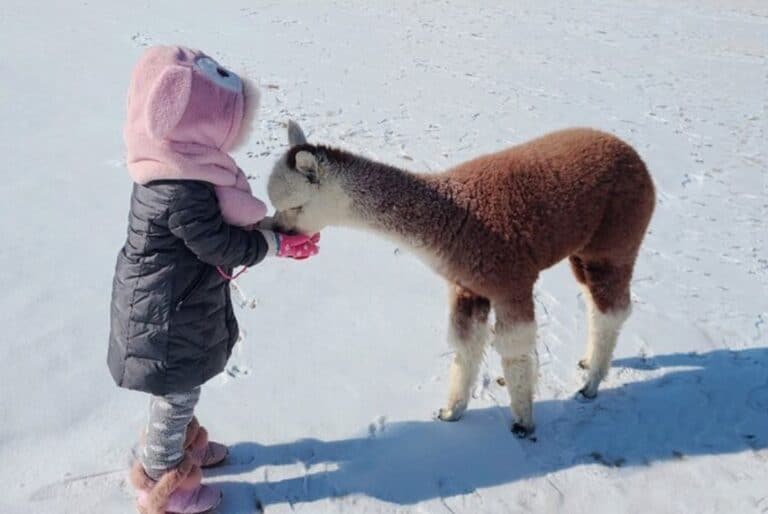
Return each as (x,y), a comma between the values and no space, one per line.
(172,323)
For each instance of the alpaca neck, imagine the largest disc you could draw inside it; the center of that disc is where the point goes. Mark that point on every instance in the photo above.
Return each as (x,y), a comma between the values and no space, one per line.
(414,209)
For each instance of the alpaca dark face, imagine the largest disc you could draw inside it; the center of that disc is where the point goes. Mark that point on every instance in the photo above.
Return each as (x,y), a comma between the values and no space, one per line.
(305,194)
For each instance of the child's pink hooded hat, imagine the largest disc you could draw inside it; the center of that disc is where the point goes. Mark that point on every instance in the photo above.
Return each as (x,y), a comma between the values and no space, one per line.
(185,112)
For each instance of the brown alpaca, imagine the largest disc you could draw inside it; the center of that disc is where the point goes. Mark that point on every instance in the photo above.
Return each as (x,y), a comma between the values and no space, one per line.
(489,226)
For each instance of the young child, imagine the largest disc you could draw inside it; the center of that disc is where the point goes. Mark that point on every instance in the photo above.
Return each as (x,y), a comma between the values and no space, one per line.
(172,323)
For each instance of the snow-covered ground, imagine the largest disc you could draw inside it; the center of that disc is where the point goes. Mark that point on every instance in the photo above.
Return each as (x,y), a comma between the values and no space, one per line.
(329,400)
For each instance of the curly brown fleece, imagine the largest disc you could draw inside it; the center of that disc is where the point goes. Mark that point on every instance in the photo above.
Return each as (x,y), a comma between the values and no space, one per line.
(493,223)
(578,193)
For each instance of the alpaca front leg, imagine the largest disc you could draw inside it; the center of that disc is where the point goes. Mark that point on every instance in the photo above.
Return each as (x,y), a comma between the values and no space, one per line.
(516,345)
(468,333)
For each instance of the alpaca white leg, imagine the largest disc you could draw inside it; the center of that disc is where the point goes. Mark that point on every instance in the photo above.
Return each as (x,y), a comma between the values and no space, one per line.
(464,369)
(591,313)
(516,345)
(603,332)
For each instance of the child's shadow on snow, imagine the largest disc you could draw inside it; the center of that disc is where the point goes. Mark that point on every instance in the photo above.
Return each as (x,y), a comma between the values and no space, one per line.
(703,404)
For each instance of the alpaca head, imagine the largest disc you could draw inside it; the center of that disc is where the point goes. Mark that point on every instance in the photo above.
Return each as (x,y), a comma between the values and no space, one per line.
(305,187)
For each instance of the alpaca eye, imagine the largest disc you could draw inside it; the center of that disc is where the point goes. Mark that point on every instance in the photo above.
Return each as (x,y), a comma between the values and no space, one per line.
(222,72)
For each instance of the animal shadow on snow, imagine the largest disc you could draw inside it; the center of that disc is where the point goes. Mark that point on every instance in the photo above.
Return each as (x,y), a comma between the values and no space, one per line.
(695,404)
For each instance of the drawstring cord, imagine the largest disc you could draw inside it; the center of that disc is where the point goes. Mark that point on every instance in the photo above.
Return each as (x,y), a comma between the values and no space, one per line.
(230,277)
(245,300)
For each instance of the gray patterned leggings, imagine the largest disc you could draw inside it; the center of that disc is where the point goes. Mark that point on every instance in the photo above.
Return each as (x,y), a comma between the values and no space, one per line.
(169,416)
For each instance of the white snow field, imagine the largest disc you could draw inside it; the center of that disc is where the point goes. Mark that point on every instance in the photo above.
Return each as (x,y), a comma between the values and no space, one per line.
(329,401)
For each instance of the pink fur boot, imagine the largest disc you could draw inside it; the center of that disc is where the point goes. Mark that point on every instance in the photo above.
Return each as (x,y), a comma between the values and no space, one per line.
(178,491)
(205,452)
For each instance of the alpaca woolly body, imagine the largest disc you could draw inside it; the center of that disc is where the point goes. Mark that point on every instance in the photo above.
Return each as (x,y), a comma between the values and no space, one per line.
(489,226)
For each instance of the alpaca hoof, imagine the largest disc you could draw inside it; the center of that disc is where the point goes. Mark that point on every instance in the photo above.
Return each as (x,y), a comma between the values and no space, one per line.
(450,414)
(583,364)
(586,394)
(523,432)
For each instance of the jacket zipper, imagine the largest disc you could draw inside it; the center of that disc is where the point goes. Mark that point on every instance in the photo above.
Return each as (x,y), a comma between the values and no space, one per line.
(191,289)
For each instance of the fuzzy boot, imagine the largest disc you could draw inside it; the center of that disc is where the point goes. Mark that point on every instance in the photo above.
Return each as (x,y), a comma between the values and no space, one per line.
(207,453)
(178,491)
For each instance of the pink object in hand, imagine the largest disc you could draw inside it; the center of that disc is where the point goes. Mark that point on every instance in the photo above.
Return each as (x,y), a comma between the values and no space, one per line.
(298,246)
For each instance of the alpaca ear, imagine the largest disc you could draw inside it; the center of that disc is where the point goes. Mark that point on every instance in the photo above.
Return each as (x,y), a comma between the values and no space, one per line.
(168,100)
(295,134)
(307,165)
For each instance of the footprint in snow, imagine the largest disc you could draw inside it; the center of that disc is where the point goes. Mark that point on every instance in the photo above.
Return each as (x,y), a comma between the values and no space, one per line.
(237,371)
(377,426)
(141,39)
(236,368)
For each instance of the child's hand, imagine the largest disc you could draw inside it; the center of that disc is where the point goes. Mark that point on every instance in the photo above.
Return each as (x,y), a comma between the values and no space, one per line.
(292,246)
(268,223)
(297,246)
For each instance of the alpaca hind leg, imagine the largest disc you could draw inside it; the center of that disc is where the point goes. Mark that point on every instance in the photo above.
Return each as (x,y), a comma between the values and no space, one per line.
(515,341)
(468,334)
(608,305)
(577,266)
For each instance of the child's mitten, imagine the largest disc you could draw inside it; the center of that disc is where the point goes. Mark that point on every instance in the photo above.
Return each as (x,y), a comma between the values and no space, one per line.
(293,246)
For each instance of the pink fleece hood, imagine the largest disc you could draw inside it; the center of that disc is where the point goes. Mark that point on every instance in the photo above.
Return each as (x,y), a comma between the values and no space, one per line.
(185,112)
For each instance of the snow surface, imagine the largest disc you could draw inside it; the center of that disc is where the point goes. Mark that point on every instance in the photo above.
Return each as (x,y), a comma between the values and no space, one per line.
(329,401)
